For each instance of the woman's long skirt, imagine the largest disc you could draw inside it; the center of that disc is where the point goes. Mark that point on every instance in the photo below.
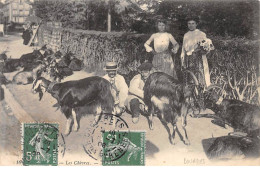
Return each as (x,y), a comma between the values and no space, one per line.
(163,62)
(194,63)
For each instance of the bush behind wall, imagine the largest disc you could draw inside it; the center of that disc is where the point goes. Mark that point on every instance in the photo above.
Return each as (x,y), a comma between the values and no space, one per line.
(95,48)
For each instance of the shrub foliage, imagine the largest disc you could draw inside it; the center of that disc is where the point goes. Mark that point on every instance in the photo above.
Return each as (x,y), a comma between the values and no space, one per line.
(235,18)
(233,64)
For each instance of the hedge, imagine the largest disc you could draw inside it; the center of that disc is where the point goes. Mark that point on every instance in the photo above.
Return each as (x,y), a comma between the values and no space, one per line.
(94,48)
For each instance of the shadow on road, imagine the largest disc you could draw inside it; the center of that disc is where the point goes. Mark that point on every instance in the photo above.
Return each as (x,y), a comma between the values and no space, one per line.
(151,149)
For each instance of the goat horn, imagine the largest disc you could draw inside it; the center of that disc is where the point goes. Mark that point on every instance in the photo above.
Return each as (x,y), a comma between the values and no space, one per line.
(212,87)
(223,92)
(193,76)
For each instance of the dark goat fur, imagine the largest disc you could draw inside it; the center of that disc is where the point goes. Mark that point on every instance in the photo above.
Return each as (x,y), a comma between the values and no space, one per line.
(180,101)
(29,60)
(83,96)
(230,147)
(241,116)
(11,65)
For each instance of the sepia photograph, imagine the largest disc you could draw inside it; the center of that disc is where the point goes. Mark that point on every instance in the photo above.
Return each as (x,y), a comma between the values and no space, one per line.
(129,83)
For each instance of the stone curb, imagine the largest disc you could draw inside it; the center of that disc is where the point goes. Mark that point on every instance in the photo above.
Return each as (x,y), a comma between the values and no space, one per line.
(17,109)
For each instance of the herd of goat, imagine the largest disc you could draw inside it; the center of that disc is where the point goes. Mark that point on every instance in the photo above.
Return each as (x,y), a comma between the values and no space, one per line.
(54,66)
(166,98)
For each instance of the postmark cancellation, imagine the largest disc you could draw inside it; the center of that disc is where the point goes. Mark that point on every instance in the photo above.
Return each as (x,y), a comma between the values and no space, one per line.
(123,148)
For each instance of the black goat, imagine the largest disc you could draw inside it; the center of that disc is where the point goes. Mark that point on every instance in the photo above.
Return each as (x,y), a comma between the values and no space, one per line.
(241,116)
(29,60)
(11,65)
(77,98)
(170,99)
(231,147)
(30,57)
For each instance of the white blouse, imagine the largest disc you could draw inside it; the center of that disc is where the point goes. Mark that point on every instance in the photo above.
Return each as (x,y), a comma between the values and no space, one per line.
(161,42)
(190,41)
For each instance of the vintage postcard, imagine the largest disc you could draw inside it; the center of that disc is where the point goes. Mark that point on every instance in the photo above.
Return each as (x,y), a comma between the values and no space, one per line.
(129,83)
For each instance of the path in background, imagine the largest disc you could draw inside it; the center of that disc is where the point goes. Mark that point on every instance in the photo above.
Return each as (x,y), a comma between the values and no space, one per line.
(15,45)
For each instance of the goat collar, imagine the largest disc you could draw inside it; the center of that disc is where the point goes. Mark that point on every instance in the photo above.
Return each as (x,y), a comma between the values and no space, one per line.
(51,86)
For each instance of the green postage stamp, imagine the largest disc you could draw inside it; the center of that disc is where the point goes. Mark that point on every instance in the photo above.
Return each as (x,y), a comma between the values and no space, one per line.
(40,144)
(123,148)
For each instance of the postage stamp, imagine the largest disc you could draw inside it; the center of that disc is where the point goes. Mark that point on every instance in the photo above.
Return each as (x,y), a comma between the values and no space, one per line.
(121,148)
(40,143)
(94,145)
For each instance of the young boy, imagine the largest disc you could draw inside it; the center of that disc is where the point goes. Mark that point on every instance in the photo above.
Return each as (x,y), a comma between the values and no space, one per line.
(135,103)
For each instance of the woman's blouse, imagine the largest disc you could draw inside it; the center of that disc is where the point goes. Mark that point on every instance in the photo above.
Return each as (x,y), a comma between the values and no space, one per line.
(190,41)
(161,42)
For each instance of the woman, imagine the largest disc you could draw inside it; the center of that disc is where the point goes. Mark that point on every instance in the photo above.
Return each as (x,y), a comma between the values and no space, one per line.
(191,56)
(162,60)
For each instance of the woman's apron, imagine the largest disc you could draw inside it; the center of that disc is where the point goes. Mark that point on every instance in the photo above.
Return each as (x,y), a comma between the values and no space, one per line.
(163,62)
(199,63)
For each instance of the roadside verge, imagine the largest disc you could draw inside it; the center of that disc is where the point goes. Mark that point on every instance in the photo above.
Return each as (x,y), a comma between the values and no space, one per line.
(17,109)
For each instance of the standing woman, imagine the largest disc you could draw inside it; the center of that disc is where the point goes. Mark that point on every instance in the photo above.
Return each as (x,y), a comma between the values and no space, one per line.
(162,60)
(191,56)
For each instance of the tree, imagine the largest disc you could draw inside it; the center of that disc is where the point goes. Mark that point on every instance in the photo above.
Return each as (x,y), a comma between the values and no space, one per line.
(224,18)
(217,17)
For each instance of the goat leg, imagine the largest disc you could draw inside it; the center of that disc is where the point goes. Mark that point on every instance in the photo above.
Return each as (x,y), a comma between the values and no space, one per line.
(168,130)
(150,118)
(173,133)
(151,121)
(74,115)
(186,140)
(68,125)
(98,115)
(216,120)
(184,112)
